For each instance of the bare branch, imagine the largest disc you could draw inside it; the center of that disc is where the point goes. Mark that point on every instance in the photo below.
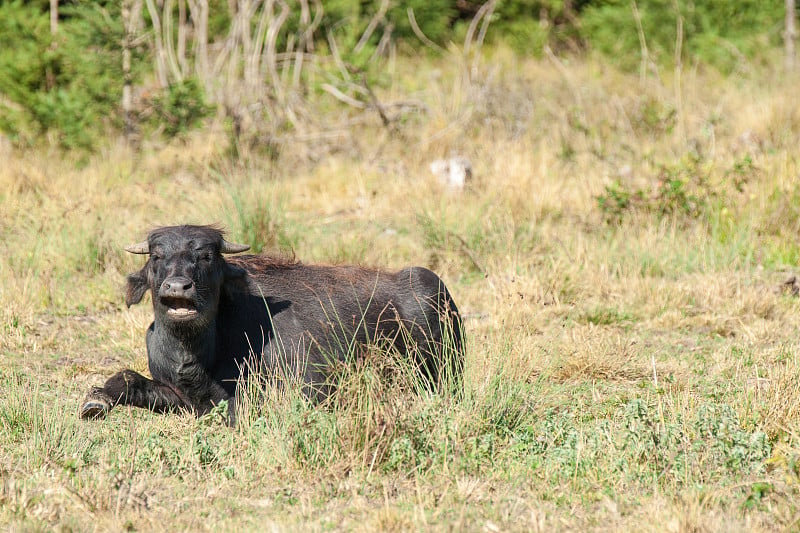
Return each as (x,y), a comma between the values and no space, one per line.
(182,36)
(373,23)
(645,60)
(53,17)
(375,102)
(339,95)
(487,18)
(309,25)
(169,46)
(485,10)
(337,58)
(270,52)
(243,18)
(252,59)
(483,16)
(199,11)
(161,65)
(307,37)
(790,34)
(127,98)
(230,43)
(385,42)
(418,32)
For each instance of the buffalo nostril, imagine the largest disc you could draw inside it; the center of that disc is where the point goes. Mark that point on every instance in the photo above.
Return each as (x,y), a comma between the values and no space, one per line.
(177,285)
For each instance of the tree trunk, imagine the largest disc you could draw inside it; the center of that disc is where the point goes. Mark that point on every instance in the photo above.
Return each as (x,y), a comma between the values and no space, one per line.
(182,30)
(131,13)
(160,54)
(790,34)
(53,16)
(49,75)
(199,13)
(127,98)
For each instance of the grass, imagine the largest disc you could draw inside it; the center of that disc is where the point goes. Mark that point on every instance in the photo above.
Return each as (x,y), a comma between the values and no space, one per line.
(632,363)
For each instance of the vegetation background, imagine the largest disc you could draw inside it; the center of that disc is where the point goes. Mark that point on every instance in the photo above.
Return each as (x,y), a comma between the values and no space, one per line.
(624,257)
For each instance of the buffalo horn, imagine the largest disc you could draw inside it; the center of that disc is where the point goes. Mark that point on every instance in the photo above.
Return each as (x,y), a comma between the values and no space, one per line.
(233,248)
(138,248)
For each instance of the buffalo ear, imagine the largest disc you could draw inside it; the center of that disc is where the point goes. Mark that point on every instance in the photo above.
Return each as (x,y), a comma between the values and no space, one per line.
(136,287)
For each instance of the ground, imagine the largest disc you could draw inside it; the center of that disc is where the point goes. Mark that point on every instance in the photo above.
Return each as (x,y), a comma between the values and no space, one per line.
(619,256)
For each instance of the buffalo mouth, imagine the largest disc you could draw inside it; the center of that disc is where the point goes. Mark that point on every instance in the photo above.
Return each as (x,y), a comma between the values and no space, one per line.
(179,308)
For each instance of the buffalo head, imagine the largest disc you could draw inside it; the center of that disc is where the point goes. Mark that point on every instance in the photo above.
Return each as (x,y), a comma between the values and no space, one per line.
(185,273)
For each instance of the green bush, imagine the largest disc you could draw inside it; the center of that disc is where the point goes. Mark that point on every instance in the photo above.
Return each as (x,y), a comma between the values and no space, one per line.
(716,32)
(434,17)
(60,85)
(682,189)
(181,107)
(528,25)
(67,87)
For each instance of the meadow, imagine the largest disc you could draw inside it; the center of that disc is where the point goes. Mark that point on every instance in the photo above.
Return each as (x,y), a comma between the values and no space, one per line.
(623,259)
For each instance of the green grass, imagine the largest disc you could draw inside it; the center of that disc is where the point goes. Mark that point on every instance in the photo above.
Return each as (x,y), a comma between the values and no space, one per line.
(631,364)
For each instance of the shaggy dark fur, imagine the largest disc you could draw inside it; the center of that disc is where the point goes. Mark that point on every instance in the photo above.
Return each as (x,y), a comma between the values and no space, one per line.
(212,316)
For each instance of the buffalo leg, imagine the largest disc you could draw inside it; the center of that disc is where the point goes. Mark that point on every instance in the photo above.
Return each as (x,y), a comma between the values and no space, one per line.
(131,388)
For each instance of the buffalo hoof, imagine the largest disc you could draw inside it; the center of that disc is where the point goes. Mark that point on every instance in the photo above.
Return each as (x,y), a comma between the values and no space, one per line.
(95,406)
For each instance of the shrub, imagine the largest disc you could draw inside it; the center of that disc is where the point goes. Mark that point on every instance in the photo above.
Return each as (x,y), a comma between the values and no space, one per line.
(716,32)
(49,86)
(682,189)
(181,107)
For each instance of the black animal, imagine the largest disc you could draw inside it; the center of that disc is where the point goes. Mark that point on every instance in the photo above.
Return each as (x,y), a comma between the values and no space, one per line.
(213,316)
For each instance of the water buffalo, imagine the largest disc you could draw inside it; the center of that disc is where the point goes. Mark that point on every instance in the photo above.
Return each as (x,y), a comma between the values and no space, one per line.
(213,316)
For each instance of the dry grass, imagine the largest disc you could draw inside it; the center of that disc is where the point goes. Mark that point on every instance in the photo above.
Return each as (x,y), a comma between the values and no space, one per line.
(619,375)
